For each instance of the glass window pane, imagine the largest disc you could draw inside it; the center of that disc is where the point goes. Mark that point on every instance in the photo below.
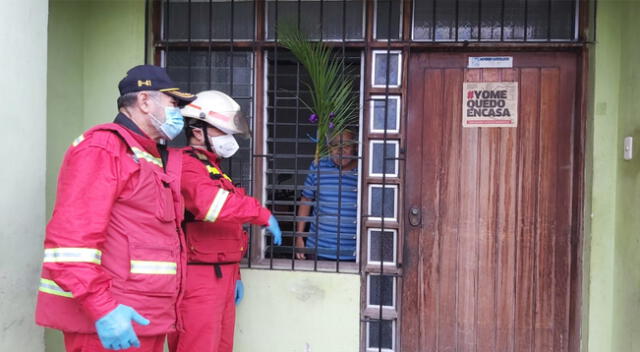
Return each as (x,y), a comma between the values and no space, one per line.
(514,20)
(378,123)
(330,15)
(388,19)
(381,288)
(383,158)
(562,20)
(382,63)
(379,207)
(380,334)
(491,17)
(445,12)
(423,20)
(495,19)
(382,241)
(176,20)
(196,15)
(243,23)
(537,19)
(468,19)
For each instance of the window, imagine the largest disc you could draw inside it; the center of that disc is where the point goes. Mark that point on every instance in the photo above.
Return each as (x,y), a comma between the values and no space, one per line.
(295,181)
(327,20)
(495,20)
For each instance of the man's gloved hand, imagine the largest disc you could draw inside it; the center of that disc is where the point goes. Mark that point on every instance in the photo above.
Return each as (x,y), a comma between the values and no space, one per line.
(115,329)
(239,291)
(274,228)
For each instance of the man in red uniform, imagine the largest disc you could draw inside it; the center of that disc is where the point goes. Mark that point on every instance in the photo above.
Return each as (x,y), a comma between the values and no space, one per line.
(113,247)
(215,212)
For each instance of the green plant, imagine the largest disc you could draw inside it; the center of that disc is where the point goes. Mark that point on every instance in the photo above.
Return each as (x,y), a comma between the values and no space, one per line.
(333,103)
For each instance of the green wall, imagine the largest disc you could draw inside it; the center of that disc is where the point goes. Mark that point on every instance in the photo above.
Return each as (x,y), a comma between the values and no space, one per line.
(626,328)
(614,266)
(92,44)
(23,68)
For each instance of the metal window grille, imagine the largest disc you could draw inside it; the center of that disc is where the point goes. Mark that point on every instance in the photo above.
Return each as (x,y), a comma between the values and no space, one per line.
(496,20)
(290,152)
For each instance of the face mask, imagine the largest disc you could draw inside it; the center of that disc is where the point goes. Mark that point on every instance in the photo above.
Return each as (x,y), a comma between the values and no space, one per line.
(173,122)
(225,146)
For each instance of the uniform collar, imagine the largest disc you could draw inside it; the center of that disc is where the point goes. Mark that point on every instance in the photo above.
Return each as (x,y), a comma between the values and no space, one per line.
(147,143)
(210,155)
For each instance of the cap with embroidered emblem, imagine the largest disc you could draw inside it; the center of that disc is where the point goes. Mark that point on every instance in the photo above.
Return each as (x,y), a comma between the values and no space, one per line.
(150,77)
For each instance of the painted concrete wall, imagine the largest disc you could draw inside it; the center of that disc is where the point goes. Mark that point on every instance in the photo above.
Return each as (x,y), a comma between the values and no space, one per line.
(614,309)
(606,71)
(23,66)
(626,328)
(298,312)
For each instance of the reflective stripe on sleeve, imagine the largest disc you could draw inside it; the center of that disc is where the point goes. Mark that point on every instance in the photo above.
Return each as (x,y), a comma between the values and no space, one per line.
(50,286)
(141,154)
(153,267)
(216,205)
(78,140)
(72,255)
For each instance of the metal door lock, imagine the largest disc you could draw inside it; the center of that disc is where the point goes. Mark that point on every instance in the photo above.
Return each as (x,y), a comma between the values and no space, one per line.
(415,216)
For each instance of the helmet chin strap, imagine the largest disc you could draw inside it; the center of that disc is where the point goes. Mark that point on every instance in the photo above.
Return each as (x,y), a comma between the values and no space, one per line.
(207,143)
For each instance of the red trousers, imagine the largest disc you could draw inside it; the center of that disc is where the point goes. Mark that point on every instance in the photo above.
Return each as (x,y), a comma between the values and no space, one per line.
(208,310)
(75,342)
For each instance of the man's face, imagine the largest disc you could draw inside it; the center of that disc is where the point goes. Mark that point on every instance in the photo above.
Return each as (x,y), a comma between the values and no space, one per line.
(159,102)
(342,148)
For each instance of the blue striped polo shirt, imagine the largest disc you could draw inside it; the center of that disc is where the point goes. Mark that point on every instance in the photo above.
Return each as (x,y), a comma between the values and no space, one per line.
(335,208)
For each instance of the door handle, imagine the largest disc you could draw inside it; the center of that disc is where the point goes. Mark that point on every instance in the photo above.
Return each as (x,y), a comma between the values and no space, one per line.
(415,216)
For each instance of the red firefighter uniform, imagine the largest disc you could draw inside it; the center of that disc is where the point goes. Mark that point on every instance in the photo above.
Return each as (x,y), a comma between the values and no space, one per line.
(216,242)
(114,238)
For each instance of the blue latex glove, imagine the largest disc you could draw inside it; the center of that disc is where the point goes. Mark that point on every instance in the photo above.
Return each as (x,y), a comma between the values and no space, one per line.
(274,228)
(115,329)
(239,291)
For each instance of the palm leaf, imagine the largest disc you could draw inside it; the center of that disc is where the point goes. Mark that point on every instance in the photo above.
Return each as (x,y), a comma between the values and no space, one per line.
(331,88)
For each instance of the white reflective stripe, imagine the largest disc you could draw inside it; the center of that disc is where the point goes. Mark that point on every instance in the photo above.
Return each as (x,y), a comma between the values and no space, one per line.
(49,286)
(78,140)
(153,267)
(74,255)
(141,154)
(216,205)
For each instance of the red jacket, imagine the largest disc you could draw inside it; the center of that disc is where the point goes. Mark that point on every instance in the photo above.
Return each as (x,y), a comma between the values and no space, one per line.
(217,210)
(114,237)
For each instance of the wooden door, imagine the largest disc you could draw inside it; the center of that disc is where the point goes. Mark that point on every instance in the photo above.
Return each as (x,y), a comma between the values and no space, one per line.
(490,264)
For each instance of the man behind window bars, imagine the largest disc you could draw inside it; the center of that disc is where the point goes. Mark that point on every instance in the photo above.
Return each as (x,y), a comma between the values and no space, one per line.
(332,188)
(215,212)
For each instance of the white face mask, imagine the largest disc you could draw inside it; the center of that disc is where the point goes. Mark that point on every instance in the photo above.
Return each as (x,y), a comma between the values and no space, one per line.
(225,146)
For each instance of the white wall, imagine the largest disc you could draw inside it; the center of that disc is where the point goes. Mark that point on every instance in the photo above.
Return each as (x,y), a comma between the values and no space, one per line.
(23,68)
(288,311)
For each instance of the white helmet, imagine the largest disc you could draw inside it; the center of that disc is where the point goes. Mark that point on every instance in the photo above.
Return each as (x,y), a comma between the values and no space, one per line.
(218,110)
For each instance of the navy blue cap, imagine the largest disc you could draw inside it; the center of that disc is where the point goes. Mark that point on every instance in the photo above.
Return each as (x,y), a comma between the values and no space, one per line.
(150,77)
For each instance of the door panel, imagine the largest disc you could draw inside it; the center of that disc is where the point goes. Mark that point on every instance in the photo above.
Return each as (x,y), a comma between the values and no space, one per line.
(489,267)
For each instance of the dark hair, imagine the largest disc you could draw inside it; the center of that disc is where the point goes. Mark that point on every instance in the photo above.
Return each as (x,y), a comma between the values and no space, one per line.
(129,99)
(190,124)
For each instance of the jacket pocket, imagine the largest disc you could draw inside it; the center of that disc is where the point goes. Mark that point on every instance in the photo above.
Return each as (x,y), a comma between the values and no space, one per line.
(165,208)
(153,270)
